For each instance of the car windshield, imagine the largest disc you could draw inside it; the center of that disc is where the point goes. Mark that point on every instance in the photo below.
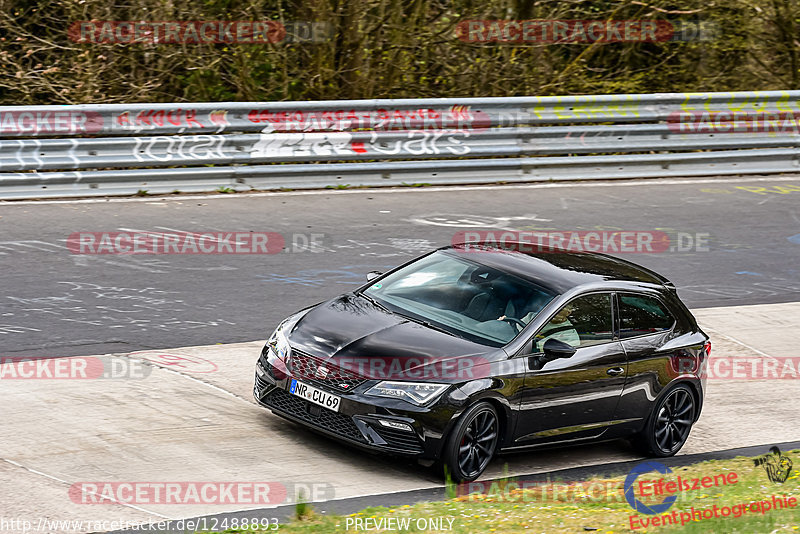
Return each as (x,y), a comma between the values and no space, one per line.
(463,297)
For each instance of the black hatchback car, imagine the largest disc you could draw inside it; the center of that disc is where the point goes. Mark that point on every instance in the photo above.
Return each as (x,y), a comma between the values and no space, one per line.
(476,349)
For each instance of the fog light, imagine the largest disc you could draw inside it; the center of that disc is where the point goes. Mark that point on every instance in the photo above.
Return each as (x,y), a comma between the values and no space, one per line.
(260,371)
(397,425)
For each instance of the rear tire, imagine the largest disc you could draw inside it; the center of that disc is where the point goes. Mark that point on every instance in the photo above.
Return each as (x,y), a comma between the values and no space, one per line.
(472,443)
(669,424)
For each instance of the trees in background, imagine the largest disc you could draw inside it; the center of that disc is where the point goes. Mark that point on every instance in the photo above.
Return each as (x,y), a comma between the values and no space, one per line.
(390,49)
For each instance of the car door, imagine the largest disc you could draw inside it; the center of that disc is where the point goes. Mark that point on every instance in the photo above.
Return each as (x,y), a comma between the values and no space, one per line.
(576,397)
(645,324)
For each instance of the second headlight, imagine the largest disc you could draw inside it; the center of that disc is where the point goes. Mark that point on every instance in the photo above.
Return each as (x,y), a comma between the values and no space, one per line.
(415,392)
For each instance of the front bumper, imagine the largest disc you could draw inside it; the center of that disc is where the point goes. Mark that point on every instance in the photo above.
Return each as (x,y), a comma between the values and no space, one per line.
(358,420)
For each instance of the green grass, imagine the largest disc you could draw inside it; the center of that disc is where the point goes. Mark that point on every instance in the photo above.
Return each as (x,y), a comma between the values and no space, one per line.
(597,504)
(302,510)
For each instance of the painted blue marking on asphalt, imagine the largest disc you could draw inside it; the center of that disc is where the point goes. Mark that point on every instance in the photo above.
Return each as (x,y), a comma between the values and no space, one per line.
(794,239)
(751,273)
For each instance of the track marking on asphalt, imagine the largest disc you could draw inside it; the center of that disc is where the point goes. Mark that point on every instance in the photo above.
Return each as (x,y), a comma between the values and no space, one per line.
(729,338)
(385,191)
(192,378)
(66,482)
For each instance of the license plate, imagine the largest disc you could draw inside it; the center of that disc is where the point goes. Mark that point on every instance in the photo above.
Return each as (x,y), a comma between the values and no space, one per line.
(314,395)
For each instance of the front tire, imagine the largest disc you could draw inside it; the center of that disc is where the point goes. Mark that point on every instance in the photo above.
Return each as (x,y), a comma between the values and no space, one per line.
(669,424)
(472,443)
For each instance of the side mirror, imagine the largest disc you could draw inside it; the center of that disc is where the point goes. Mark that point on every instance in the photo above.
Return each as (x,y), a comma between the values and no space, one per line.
(372,275)
(553,350)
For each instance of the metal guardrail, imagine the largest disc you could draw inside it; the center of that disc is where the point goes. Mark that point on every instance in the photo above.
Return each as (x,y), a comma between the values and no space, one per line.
(116,149)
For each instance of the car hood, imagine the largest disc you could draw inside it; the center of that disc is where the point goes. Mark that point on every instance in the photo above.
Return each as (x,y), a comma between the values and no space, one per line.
(354,333)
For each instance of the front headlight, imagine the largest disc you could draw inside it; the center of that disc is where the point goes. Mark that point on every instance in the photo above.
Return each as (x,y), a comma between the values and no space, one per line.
(415,392)
(278,342)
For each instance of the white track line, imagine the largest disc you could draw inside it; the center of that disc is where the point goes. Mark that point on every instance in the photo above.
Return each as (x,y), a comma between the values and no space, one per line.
(393,190)
(51,477)
(745,345)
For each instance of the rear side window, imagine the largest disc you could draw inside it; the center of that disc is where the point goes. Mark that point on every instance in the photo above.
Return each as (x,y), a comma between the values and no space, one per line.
(640,315)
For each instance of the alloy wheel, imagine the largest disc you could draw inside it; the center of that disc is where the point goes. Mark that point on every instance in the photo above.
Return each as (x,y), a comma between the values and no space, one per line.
(477,444)
(674,420)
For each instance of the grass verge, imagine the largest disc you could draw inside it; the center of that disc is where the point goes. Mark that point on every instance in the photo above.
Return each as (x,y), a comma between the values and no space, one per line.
(595,505)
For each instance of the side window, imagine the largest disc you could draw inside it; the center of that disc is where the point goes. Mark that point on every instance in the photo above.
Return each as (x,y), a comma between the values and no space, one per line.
(582,322)
(641,315)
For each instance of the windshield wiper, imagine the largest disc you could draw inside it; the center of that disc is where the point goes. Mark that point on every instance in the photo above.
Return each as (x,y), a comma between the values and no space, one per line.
(373,301)
(428,324)
(422,322)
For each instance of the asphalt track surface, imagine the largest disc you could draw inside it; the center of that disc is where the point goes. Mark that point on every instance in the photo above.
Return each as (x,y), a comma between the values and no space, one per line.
(55,303)
(60,304)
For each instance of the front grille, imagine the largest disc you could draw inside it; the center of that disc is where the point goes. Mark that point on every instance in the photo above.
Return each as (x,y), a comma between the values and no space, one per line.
(334,422)
(306,368)
(399,439)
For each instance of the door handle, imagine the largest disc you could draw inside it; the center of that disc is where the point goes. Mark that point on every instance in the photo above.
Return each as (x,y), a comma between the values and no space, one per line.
(614,371)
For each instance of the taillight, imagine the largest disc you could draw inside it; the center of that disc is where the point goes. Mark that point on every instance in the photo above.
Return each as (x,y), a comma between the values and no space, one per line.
(707,348)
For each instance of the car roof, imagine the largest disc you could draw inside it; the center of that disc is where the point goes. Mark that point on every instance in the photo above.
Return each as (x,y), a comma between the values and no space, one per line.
(555,268)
